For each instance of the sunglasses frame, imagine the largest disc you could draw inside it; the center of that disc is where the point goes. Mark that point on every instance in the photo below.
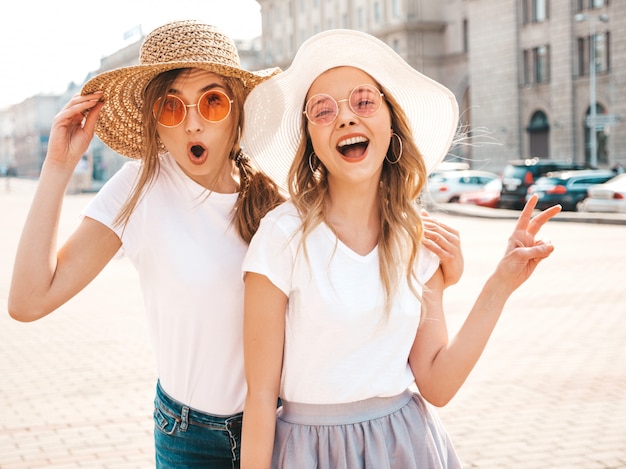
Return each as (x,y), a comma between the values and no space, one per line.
(348,99)
(157,107)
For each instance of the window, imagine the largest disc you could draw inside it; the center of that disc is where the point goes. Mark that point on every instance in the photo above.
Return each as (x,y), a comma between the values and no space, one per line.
(395,8)
(601,51)
(535,11)
(536,67)
(377,13)
(584,4)
(465,36)
(360,18)
(540,59)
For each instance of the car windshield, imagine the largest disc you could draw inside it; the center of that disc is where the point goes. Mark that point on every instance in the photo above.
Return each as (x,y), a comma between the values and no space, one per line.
(493,185)
(549,181)
(515,171)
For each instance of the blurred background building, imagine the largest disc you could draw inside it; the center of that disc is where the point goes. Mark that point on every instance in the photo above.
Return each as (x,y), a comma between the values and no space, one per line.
(533,78)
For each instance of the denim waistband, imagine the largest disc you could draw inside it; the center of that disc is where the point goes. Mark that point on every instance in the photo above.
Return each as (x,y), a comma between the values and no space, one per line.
(189,414)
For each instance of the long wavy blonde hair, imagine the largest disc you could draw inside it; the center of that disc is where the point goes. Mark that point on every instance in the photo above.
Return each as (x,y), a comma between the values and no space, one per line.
(258,193)
(402,179)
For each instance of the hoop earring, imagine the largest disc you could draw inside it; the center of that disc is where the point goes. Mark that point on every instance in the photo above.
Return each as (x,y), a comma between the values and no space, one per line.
(398,155)
(311,156)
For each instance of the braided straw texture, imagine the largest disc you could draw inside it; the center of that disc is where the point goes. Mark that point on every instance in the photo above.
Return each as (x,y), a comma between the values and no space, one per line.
(180,44)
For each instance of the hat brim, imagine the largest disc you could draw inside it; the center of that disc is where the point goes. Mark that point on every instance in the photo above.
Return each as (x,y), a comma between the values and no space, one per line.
(274,108)
(120,124)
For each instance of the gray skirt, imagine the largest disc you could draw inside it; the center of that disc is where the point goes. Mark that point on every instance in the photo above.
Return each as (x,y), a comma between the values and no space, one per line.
(397,432)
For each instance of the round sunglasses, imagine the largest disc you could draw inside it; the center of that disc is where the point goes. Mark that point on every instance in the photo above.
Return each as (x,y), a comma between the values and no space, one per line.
(213,106)
(323,109)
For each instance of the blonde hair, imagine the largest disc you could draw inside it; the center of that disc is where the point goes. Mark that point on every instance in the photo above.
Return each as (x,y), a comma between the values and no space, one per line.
(258,193)
(402,180)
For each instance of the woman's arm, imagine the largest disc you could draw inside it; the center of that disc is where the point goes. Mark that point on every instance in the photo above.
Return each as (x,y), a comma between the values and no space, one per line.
(43,279)
(441,366)
(264,336)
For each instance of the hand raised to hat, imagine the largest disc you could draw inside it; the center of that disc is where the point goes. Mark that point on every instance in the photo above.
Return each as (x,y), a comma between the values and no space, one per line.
(73,128)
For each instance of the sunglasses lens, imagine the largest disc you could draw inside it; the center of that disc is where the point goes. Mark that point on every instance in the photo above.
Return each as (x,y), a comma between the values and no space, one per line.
(321,109)
(214,106)
(172,112)
(365,100)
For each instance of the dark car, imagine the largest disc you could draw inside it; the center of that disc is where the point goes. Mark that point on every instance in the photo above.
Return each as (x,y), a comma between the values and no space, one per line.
(519,175)
(568,188)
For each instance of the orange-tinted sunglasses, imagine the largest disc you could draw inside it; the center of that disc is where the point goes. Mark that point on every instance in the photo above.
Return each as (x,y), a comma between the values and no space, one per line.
(213,106)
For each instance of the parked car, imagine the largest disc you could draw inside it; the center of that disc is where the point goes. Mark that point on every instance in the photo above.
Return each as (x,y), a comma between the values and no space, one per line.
(446,166)
(607,197)
(519,175)
(488,196)
(568,188)
(447,187)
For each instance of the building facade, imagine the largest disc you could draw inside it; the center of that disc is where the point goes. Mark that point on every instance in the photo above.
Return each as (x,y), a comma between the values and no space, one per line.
(525,74)
(520,69)
(26,130)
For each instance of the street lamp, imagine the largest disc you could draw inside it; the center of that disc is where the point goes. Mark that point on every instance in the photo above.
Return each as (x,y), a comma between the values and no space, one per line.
(593,136)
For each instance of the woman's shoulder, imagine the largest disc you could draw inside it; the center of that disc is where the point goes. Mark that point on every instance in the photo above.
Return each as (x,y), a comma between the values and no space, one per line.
(283,217)
(285,210)
(124,178)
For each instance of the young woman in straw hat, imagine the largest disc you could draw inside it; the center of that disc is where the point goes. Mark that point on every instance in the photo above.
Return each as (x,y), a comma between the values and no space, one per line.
(343,295)
(183,212)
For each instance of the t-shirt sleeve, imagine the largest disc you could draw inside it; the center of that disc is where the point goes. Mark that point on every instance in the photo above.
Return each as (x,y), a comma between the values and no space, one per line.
(107,203)
(427,265)
(271,253)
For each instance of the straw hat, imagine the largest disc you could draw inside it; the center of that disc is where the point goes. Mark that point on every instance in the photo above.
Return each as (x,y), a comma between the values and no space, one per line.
(274,108)
(179,44)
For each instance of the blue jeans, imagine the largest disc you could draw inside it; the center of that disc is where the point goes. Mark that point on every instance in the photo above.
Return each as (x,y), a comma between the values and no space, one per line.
(187,438)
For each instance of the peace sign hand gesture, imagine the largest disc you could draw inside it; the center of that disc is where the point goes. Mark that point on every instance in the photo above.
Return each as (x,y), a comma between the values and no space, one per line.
(524,251)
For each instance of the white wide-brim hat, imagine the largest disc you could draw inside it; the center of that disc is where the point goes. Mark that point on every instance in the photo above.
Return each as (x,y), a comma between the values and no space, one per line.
(274,108)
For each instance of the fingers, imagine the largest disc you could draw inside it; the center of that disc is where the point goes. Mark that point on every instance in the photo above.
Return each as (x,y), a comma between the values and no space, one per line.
(84,104)
(537,252)
(532,225)
(73,128)
(437,231)
(538,221)
(524,219)
(444,241)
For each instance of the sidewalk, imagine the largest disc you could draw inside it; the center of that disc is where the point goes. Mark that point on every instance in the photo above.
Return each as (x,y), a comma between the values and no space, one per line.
(76,387)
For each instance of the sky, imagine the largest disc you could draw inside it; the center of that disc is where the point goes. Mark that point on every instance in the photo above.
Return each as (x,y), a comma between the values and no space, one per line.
(45,45)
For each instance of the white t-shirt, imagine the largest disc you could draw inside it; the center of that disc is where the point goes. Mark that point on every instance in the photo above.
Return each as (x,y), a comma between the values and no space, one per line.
(188,254)
(340,345)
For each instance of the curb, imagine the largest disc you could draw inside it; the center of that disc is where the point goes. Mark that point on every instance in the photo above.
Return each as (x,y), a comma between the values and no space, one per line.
(477,211)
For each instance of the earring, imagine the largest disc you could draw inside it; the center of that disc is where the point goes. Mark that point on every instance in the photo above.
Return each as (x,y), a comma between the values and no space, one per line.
(311,156)
(398,155)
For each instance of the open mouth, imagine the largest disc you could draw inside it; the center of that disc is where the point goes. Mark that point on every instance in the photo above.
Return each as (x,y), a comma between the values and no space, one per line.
(197,151)
(353,147)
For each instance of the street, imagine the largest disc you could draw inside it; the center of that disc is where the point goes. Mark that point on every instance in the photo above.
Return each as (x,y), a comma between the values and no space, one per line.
(76,387)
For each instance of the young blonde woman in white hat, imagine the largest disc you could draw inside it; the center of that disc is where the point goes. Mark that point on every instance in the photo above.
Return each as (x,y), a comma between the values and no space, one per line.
(343,298)
(183,212)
